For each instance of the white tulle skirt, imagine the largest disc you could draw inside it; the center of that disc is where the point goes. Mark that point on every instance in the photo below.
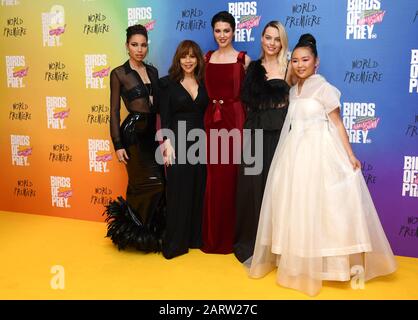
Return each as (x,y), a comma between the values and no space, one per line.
(317,219)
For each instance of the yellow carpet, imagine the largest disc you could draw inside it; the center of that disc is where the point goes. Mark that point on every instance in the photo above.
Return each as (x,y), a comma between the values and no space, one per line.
(30,245)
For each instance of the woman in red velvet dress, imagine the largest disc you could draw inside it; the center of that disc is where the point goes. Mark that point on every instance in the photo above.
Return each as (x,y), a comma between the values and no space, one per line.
(225,69)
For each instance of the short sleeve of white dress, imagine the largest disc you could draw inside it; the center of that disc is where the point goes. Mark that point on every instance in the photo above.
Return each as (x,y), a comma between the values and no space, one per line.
(329,96)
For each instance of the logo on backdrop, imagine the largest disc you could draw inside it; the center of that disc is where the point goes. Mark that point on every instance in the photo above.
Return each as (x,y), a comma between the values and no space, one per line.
(191,20)
(246,19)
(410,229)
(410,177)
(10,2)
(359,118)
(101,196)
(24,188)
(413,82)
(14,28)
(16,71)
(303,15)
(96,70)
(21,150)
(363,71)
(61,191)
(56,71)
(53,26)
(56,112)
(60,153)
(99,114)
(99,155)
(96,24)
(141,15)
(367,170)
(362,15)
(20,112)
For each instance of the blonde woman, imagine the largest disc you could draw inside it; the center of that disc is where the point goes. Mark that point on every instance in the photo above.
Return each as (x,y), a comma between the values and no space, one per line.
(265,96)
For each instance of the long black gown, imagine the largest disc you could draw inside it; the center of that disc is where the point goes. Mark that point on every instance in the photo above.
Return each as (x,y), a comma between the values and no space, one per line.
(185,181)
(139,220)
(266,102)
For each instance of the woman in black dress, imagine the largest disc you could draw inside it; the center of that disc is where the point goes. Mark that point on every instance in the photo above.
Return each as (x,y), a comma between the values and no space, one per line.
(136,221)
(265,96)
(183,103)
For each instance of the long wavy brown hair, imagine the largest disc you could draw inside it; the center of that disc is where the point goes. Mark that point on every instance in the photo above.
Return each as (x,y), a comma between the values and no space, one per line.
(175,72)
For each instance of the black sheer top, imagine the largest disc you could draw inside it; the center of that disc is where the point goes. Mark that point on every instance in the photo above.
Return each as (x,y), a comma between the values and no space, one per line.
(126,83)
(258,93)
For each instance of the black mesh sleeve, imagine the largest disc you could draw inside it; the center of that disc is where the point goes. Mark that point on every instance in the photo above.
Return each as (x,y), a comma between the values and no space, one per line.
(115,110)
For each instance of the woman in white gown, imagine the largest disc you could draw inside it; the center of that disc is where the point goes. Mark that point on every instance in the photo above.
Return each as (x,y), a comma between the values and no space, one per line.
(317,219)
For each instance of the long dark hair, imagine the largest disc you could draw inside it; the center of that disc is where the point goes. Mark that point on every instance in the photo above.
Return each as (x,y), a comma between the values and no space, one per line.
(176,72)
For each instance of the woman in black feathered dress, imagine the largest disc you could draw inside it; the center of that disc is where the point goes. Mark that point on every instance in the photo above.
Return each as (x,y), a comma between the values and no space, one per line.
(265,96)
(138,221)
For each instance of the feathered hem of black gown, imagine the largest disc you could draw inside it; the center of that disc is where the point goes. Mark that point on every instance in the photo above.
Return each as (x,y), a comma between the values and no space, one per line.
(126,230)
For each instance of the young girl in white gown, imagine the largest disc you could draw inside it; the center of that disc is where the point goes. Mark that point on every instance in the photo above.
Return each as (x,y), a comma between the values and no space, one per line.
(317,219)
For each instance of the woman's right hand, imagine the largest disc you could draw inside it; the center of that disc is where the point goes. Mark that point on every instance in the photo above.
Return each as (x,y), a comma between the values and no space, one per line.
(355,163)
(122,155)
(168,154)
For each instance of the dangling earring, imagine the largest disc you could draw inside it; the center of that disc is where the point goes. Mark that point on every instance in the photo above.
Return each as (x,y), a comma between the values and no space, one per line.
(316,68)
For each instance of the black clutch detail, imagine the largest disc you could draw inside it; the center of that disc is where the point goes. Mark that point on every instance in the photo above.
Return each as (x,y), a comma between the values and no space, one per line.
(126,230)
